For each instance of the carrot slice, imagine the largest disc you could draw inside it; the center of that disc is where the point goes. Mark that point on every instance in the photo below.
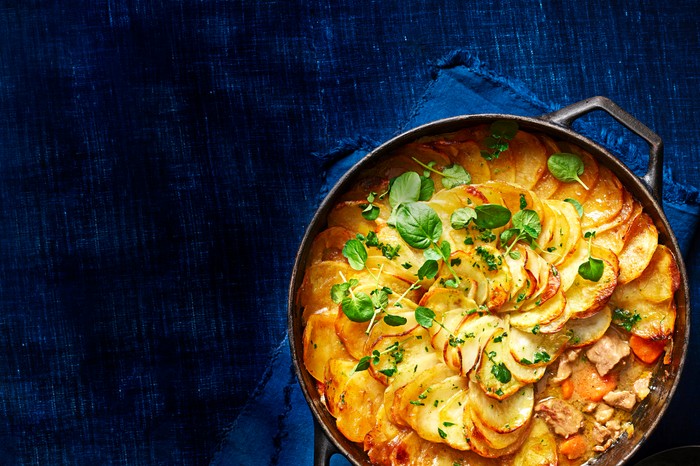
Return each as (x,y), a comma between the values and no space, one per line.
(647,351)
(589,384)
(567,389)
(573,447)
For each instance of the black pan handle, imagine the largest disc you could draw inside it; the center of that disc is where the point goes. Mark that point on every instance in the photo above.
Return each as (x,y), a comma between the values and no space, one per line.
(323,448)
(654,175)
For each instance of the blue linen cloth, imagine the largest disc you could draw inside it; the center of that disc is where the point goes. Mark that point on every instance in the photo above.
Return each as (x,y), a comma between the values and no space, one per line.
(276,426)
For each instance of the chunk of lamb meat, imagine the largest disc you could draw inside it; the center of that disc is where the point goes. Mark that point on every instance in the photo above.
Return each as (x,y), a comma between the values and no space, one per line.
(621,399)
(607,352)
(562,417)
(565,362)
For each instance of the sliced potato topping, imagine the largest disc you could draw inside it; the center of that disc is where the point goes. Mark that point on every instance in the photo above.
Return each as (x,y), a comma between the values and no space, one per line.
(435,306)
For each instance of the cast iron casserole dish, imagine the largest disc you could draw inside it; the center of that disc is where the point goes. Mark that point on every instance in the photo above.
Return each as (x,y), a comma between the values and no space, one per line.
(647,190)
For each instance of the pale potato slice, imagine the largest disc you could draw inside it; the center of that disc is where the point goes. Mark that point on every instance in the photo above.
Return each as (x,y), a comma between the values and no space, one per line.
(423,414)
(583,332)
(328,245)
(638,249)
(540,315)
(657,319)
(530,158)
(549,225)
(468,155)
(660,279)
(321,344)
(539,448)
(496,440)
(414,392)
(353,398)
(444,338)
(621,217)
(348,214)
(531,347)
(547,278)
(503,167)
(314,294)
(476,332)
(505,415)
(381,329)
(522,287)
(492,375)
(585,297)
(451,419)
(568,270)
(574,190)
(481,445)
(604,201)
(556,325)
(614,238)
(566,234)
(526,373)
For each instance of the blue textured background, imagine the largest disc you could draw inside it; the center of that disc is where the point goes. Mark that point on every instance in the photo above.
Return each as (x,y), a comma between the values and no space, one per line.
(159,161)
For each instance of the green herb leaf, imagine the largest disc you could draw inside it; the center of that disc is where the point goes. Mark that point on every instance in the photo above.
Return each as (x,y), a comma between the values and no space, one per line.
(388,372)
(394,321)
(507,235)
(358,307)
(461,217)
(505,129)
(363,364)
(427,188)
(542,356)
(356,253)
(380,298)
(566,167)
(418,224)
(442,433)
(625,318)
(424,316)
(501,372)
(515,255)
(405,188)
(592,269)
(577,205)
(455,175)
(429,269)
(491,216)
(528,222)
(340,290)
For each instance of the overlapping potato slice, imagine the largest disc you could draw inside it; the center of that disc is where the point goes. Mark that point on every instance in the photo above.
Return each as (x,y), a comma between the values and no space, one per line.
(321,344)
(658,282)
(511,196)
(582,332)
(468,155)
(314,294)
(402,161)
(530,159)
(524,284)
(537,349)
(348,214)
(472,334)
(381,440)
(573,189)
(565,232)
(328,245)
(494,378)
(585,297)
(614,237)
(352,397)
(541,315)
(482,439)
(413,393)
(539,448)
(507,415)
(604,201)
(451,418)
(639,248)
(546,279)
(423,413)
(412,450)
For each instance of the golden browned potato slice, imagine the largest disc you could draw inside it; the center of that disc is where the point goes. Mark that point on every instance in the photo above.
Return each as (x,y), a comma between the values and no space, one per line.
(352,334)
(511,195)
(541,315)
(402,161)
(604,201)
(412,450)
(547,277)
(540,447)
(369,183)
(321,344)
(451,418)
(415,391)
(423,415)
(496,440)
(537,348)
(568,270)
(525,371)
(480,444)
(384,436)
(503,167)
(530,158)
(314,294)
(660,279)
(348,214)
(468,155)
(492,375)
(505,415)
(639,248)
(444,339)
(547,184)
(523,283)
(585,297)
(328,245)
(353,398)
(657,320)
(565,235)
(574,190)
(582,332)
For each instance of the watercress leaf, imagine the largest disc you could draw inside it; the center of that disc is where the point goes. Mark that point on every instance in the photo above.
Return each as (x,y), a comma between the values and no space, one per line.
(451,283)
(445,250)
(418,224)
(542,356)
(507,235)
(429,269)
(358,307)
(528,222)
(625,318)
(394,321)
(577,205)
(380,298)
(339,291)
(388,372)
(432,254)
(523,201)
(355,253)
(405,188)
(461,217)
(505,129)
(371,212)
(592,269)
(501,372)
(565,167)
(363,364)
(424,316)
(515,255)
(455,175)
(427,188)
(491,216)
